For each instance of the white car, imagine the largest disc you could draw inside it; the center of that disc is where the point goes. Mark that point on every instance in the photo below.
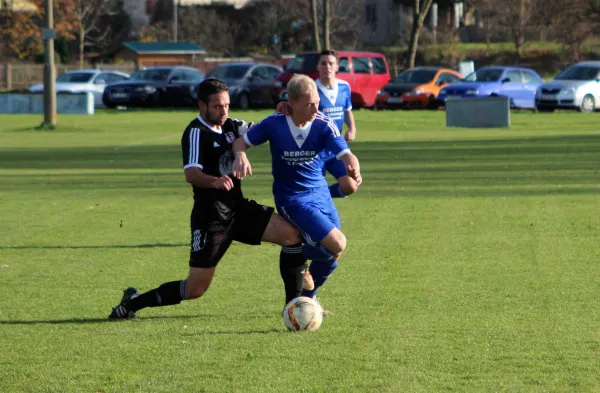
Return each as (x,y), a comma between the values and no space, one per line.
(577,87)
(84,81)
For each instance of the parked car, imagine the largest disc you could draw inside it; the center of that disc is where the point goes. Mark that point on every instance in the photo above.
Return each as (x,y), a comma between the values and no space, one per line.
(577,87)
(94,81)
(518,83)
(249,83)
(416,88)
(155,87)
(366,72)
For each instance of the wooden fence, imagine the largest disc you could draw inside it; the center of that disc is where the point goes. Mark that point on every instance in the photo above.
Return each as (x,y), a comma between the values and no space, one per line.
(22,76)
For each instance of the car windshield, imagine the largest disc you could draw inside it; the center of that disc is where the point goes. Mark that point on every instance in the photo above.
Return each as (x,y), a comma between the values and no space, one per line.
(230,71)
(151,75)
(485,75)
(304,63)
(75,77)
(579,73)
(416,76)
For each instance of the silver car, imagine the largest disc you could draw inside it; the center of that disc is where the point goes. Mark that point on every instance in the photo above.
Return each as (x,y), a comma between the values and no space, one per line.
(577,87)
(84,81)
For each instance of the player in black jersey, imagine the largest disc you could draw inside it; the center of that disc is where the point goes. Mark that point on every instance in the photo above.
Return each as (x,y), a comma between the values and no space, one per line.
(220,214)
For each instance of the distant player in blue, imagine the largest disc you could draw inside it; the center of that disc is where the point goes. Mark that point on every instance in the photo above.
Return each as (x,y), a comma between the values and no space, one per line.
(336,102)
(301,191)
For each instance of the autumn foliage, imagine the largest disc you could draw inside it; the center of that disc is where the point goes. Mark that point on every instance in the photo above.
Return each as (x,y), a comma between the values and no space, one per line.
(22,31)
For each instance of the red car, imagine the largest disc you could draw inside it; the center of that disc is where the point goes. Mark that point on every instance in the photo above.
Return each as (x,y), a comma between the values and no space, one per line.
(366,72)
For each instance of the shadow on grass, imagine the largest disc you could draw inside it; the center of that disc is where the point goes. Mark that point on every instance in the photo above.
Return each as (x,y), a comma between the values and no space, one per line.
(159,245)
(237,333)
(82,321)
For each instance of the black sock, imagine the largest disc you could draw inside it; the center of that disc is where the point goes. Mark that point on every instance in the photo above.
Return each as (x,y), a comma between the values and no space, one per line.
(291,267)
(167,294)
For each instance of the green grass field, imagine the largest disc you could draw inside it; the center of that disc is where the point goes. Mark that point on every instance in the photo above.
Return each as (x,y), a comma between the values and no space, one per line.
(473,263)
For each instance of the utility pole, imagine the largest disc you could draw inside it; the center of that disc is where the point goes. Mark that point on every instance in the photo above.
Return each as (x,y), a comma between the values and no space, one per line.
(175,20)
(48,34)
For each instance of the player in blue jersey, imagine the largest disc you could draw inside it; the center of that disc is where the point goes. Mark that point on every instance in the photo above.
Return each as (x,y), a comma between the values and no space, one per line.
(335,101)
(301,191)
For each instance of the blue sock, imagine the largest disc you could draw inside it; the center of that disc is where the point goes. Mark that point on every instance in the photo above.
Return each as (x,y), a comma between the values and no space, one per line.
(336,191)
(320,271)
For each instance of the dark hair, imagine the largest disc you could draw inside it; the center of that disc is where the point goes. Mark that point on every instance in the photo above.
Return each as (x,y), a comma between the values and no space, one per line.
(209,87)
(329,52)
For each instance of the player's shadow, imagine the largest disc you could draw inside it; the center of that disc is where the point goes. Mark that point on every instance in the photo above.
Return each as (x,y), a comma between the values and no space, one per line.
(157,245)
(83,321)
(236,333)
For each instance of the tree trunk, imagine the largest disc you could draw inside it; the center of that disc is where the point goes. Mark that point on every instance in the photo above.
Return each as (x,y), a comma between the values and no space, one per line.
(326,15)
(81,46)
(419,13)
(315,23)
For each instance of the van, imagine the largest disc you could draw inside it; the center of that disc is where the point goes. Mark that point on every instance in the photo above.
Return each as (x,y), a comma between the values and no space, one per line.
(366,72)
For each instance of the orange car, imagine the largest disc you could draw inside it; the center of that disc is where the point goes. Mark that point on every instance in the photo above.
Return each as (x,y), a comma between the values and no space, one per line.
(416,88)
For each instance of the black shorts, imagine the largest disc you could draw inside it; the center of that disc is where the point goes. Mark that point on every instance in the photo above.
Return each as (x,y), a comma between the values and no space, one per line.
(211,240)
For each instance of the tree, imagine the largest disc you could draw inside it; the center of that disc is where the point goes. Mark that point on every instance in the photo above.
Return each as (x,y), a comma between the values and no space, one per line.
(315,25)
(420,10)
(516,18)
(88,15)
(573,21)
(21,31)
(326,20)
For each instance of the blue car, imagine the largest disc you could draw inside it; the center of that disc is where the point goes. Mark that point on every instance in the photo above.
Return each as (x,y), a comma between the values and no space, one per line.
(518,83)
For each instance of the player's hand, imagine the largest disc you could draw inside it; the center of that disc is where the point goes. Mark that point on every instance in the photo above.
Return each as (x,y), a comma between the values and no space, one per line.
(241,166)
(285,108)
(354,173)
(223,183)
(350,135)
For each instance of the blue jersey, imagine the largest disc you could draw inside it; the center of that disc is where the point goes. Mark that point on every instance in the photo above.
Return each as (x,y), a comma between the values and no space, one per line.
(296,164)
(335,101)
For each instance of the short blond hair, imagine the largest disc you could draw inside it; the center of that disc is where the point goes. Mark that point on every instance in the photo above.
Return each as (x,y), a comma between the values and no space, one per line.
(299,86)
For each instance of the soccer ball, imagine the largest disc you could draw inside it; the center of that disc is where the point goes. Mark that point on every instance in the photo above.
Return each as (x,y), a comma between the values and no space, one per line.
(302,313)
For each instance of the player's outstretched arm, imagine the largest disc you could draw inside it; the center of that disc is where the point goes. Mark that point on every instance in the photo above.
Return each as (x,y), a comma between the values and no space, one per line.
(241,164)
(352,167)
(197,177)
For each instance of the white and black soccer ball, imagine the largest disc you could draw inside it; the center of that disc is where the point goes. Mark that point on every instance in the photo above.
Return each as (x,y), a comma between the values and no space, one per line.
(303,313)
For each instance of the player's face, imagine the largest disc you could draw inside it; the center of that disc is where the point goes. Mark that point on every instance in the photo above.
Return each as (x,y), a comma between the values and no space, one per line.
(217,109)
(306,107)
(328,66)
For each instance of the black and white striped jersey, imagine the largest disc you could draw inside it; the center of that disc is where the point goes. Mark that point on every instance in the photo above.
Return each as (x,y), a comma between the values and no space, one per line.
(210,149)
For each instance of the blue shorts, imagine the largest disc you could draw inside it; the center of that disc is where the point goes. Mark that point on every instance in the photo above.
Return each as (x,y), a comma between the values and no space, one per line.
(313,213)
(336,168)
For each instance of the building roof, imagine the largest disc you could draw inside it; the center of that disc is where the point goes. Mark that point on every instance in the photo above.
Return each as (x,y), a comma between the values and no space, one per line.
(165,48)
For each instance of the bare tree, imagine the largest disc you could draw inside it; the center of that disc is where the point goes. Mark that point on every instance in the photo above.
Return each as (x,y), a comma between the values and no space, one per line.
(516,18)
(420,10)
(346,23)
(326,20)
(573,21)
(88,14)
(315,25)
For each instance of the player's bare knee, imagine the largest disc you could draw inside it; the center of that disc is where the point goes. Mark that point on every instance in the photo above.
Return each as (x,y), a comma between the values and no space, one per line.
(348,187)
(291,236)
(194,292)
(339,245)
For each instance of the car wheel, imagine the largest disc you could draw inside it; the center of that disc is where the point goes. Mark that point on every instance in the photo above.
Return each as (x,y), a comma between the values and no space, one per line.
(588,104)
(432,103)
(244,101)
(107,103)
